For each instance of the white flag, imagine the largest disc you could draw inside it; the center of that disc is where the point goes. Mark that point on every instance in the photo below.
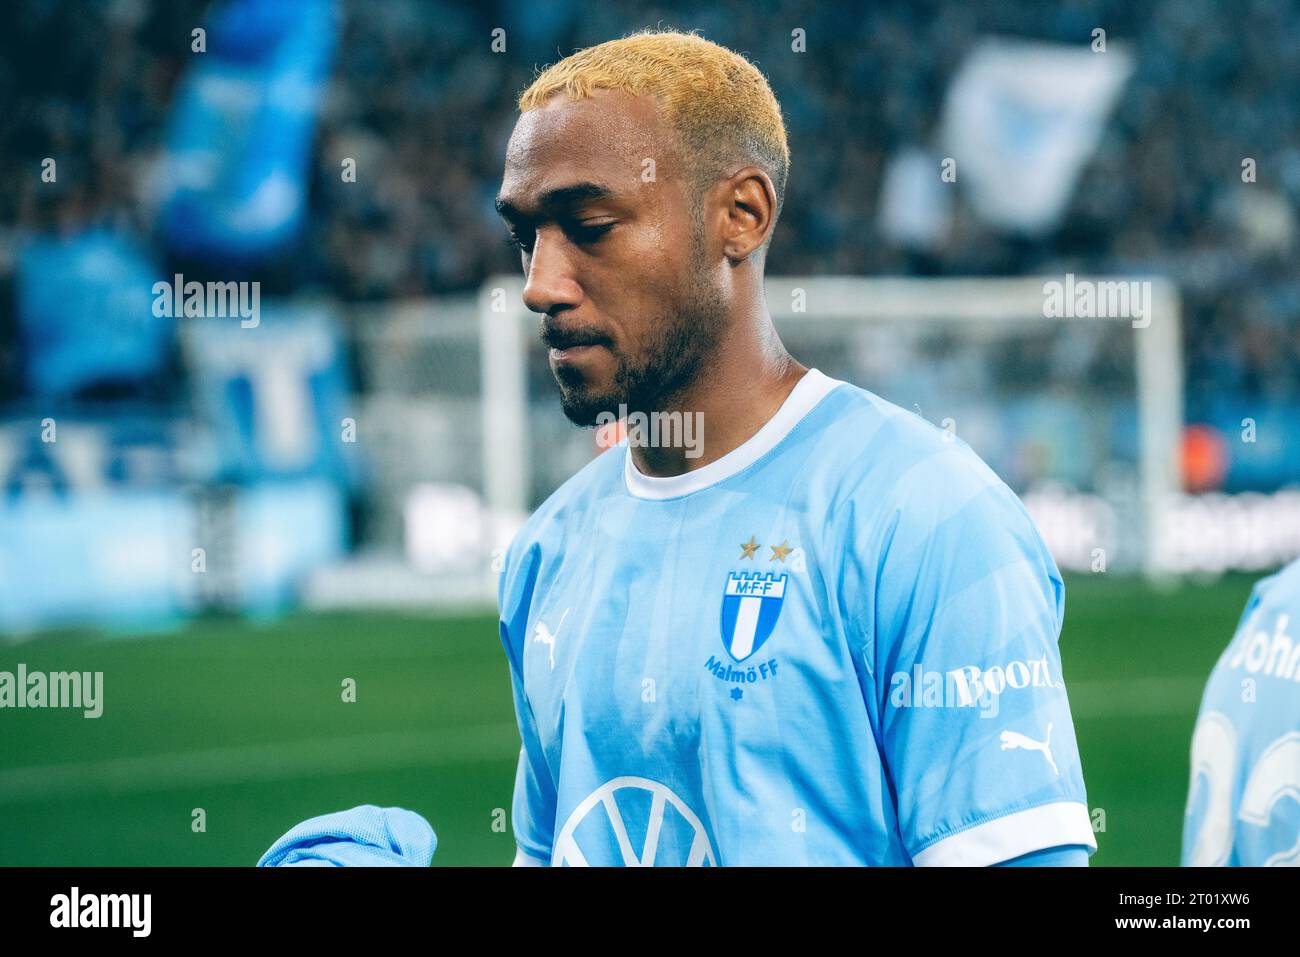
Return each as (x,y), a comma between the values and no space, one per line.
(1021,120)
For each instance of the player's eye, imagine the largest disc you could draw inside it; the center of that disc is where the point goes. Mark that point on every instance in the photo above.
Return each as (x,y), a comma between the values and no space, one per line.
(520,244)
(586,234)
(583,234)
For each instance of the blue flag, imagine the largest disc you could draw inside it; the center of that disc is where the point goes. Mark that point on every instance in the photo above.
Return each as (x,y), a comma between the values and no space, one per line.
(240,143)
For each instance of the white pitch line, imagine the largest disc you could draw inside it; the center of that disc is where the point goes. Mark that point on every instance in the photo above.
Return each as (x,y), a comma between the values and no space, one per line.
(1135,696)
(279,761)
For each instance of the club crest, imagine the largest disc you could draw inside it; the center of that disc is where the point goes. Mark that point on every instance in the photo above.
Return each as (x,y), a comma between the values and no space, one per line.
(751,605)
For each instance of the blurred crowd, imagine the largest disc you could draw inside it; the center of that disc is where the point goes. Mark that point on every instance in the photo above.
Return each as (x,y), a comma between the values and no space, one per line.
(424,105)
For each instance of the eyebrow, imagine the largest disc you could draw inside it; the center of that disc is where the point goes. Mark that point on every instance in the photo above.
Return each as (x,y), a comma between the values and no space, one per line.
(555,201)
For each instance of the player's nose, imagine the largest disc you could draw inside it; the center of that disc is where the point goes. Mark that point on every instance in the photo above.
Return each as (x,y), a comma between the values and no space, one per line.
(550,285)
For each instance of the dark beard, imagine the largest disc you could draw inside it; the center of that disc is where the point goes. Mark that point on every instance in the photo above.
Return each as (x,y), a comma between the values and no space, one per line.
(675,349)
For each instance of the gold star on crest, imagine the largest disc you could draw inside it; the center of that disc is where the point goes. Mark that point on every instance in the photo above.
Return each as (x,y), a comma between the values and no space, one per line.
(749,548)
(779,552)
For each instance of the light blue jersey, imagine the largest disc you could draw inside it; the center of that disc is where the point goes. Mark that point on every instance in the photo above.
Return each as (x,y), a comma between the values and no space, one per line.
(1243,804)
(835,645)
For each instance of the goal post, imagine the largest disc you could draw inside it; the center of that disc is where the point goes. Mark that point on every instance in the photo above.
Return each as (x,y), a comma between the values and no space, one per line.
(1037,364)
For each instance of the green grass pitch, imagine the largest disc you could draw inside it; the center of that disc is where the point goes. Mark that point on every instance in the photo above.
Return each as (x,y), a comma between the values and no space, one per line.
(247,723)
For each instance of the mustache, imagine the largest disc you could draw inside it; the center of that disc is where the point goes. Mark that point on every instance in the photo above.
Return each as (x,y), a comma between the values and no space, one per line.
(556,336)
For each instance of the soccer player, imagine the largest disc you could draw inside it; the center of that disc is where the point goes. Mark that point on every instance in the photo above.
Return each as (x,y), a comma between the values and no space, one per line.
(827,634)
(1246,746)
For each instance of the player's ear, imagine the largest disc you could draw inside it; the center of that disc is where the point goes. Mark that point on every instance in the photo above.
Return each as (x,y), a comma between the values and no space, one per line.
(750,200)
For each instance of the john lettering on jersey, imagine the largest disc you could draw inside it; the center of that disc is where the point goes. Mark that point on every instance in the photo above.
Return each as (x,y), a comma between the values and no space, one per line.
(731,666)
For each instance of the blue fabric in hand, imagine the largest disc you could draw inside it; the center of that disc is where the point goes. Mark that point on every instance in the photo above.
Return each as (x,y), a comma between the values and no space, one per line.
(1067,855)
(366,836)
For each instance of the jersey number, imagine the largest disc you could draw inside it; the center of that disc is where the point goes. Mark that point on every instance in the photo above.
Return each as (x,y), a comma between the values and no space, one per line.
(1276,775)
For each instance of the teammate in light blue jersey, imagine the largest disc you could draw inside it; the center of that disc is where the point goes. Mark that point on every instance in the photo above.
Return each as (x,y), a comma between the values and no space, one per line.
(825,634)
(1243,804)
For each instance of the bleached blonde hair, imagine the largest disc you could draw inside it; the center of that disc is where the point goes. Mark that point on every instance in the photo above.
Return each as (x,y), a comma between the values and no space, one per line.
(716,102)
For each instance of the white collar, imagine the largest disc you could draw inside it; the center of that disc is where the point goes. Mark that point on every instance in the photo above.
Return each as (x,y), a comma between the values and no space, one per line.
(808,391)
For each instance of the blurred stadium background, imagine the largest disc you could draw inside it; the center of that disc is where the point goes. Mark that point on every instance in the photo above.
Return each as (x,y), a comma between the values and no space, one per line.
(229,519)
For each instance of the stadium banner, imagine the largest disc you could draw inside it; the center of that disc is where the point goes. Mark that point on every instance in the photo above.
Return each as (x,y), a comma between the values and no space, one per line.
(235,171)
(282,531)
(130,559)
(275,396)
(110,557)
(85,448)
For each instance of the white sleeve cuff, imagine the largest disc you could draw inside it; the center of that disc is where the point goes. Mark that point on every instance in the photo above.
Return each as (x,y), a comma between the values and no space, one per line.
(523,859)
(1010,836)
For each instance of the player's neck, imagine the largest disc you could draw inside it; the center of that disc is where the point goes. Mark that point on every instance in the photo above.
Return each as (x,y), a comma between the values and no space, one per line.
(728,403)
